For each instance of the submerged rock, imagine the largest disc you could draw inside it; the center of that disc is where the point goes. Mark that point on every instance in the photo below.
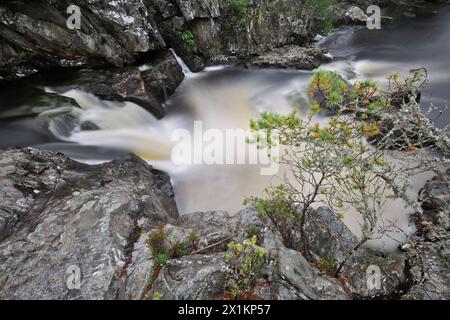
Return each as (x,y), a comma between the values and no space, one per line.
(35,103)
(149,88)
(161,78)
(57,213)
(53,112)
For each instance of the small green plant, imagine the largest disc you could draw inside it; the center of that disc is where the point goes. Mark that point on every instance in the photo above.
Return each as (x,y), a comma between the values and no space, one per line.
(328,266)
(188,38)
(277,207)
(156,296)
(245,263)
(238,12)
(162,252)
(156,241)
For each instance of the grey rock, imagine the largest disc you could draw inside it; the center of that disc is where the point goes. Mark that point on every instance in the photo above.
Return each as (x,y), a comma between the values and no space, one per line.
(191,278)
(60,213)
(120,85)
(212,227)
(356,15)
(161,79)
(112,32)
(166,8)
(53,111)
(393,275)
(435,201)
(139,271)
(36,102)
(192,9)
(307,282)
(428,252)
(329,238)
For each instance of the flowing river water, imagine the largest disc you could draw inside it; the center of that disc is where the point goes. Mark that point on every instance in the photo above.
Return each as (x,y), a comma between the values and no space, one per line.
(227,98)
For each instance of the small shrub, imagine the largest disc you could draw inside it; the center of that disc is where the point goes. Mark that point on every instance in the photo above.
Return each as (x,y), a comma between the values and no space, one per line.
(253,231)
(279,209)
(193,239)
(179,249)
(245,263)
(156,241)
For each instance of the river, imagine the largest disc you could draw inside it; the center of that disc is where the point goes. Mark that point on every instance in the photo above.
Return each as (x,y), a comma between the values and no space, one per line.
(226,97)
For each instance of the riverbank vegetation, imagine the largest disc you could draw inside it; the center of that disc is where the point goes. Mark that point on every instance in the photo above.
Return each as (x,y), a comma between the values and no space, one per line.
(370,147)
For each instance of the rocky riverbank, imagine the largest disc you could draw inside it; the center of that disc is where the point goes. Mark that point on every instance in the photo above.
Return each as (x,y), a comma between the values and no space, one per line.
(57,213)
(118,34)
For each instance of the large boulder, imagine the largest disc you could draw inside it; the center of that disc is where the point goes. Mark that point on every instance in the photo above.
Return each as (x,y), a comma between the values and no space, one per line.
(58,215)
(34,36)
(210,31)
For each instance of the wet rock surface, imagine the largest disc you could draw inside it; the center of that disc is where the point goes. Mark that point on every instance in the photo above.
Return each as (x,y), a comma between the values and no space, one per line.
(58,213)
(293,57)
(428,252)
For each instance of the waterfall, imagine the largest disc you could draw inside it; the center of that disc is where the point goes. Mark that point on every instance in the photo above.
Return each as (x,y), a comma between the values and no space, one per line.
(184,67)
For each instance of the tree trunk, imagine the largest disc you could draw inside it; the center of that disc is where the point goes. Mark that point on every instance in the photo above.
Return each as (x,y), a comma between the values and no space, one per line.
(304,236)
